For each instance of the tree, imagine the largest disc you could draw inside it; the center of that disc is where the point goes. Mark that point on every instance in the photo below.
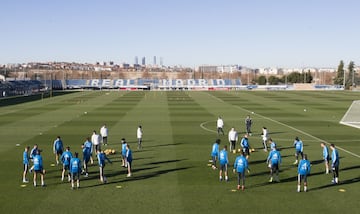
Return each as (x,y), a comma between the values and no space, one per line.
(261,80)
(306,77)
(339,79)
(273,80)
(351,76)
(294,77)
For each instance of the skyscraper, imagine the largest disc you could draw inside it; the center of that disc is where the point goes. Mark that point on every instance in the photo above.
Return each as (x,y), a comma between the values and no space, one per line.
(136,60)
(161,61)
(143,61)
(154,60)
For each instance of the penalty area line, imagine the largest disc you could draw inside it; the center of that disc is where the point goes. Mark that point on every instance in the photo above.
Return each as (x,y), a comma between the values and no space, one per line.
(288,126)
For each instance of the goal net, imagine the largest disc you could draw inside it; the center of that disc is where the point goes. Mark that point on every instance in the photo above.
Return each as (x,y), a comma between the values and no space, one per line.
(352,116)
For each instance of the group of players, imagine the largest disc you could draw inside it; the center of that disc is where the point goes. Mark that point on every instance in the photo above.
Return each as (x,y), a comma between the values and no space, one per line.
(71,162)
(241,164)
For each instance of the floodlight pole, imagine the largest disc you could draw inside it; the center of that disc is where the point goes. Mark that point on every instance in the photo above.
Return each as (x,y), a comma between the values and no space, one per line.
(344,80)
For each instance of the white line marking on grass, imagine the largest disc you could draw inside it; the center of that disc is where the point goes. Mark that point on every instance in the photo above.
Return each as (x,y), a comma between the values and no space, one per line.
(290,127)
(206,129)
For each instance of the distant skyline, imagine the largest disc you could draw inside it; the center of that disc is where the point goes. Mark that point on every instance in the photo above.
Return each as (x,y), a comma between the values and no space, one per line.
(252,33)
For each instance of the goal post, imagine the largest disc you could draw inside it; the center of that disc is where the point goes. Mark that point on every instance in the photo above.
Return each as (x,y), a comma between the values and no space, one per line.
(352,116)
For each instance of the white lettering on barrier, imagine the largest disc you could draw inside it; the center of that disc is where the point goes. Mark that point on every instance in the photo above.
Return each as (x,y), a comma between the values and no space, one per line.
(119,83)
(220,82)
(95,82)
(202,82)
(190,82)
(179,83)
(166,82)
(106,83)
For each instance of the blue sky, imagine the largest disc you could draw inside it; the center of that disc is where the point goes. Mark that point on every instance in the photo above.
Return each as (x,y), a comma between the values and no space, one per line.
(253,33)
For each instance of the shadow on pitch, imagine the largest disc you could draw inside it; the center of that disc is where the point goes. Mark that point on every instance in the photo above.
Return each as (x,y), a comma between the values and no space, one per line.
(154,174)
(164,162)
(163,145)
(344,182)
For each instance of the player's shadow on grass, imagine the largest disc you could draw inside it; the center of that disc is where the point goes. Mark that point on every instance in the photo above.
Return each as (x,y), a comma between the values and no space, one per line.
(111,175)
(164,162)
(257,162)
(143,158)
(316,162)
(289,147)
(163,145)
(344,182)
(154,174)
(349,168)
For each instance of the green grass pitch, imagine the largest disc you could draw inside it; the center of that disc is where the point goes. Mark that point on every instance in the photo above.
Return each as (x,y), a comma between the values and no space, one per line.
(171,173)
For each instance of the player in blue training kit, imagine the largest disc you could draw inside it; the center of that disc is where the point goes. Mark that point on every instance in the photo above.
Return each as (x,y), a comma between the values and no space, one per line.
(298,144)
(75,170)
(38,168)
(65,159)
(88,144)
(240,165)
(335,162)
(86,149)
(215,153)
(223,159)
(123,152)
(303,171)
(129,159)
(326,157)
(244,143)
(272,144)
(101,156)
(58,149)
(26,163)
(273,161)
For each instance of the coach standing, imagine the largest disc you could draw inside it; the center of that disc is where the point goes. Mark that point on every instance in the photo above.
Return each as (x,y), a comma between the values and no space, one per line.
(233,138)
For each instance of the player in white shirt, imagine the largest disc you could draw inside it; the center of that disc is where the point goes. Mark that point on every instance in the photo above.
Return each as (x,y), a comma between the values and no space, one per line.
(104,134)
(265,136)
(95,139)
(233,138)
(139,134)
(220,125)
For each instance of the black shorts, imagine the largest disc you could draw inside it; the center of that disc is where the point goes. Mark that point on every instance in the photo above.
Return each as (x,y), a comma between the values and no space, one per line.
(104,140)
(75,176)
(302,178)
(223,167)
(87,159)
(26,167)
(327,159)
(129,164)
(66,167)
(246,151)
(59,152)
(297,153)
(41,171)
(274,166)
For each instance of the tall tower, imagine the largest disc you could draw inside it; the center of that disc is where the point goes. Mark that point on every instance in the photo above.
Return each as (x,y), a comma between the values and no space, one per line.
(143,61)
(161,61)
(136,60)
(154,60)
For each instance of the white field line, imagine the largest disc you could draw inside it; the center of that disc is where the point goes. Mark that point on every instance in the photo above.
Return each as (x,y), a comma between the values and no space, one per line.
(290,127)
(203,127)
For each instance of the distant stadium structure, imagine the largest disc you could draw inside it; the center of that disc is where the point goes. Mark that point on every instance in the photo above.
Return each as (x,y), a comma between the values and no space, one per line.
(352,116)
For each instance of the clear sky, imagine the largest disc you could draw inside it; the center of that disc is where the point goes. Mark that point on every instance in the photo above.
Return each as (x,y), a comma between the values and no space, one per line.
(253,33)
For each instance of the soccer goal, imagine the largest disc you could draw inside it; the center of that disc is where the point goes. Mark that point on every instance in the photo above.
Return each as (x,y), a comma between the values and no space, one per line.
(352,116)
